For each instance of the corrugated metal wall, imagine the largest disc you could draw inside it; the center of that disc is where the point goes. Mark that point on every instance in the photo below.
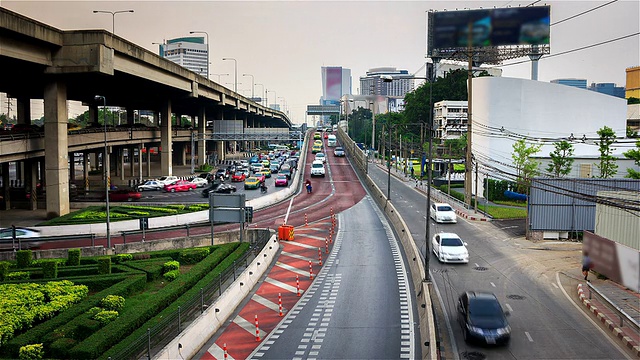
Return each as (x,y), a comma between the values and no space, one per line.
(616,224)
(569,204)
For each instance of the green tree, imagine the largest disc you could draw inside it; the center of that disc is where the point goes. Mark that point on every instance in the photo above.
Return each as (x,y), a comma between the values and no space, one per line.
(633,100)
(561,159)
(607,165)
(633,154)
(360,125)
(526,167)
(631,133)
(458,147)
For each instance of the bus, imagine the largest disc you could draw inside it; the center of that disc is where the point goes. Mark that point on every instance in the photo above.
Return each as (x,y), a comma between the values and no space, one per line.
(331,140)
(278,147)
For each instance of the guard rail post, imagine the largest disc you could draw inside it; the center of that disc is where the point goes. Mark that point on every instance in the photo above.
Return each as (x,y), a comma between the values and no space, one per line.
(188,232)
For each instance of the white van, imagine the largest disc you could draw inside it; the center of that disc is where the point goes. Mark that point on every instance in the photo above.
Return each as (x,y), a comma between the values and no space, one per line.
(317,168)
(332,141)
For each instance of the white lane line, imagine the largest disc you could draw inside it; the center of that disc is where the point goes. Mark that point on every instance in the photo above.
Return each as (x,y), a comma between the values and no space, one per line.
(305,228)
(265,302)
(508,307)
(280,284)
(554,285)
(218,352)
(294,243)
(296,256)
(492,284)
(476,264)
(248,326)
(292,269)
(528,336)
(545,276)
(313,237)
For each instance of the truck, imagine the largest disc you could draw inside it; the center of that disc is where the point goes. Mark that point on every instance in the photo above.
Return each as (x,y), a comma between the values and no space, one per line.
(332,141)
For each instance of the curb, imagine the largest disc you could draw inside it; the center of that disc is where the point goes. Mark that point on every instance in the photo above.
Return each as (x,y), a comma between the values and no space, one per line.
(470,217)
(627,341)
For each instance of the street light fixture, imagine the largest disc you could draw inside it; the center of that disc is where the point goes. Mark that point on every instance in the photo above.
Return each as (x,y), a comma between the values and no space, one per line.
(107,182)
(219,75)
(235,72)
(275,97)
(252,84)
(113,17)
(207,34)
(262,91)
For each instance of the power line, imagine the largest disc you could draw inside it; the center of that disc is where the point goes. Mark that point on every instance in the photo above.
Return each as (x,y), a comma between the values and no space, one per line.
(582,13)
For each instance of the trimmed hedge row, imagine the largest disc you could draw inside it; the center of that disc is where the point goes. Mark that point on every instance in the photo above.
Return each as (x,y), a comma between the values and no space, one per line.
(73,257)
(137,313)
(4,269)
(193,256)
(152,267)
(227,254)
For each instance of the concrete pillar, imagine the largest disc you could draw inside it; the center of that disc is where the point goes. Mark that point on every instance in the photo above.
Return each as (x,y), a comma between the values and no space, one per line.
(165,139)
(93,115)
(220,144)
(5,186)
(140,162)
(148,161)
(24,110)
(183,154)
(121,155)
(85,170)
(72,167)
(178,120)
(130,118)
(132,160)
(55,141)
(93,160)
(202,143)
(31,182)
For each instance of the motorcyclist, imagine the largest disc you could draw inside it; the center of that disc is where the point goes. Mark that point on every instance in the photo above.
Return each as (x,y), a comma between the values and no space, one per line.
(263,187)
(307,184)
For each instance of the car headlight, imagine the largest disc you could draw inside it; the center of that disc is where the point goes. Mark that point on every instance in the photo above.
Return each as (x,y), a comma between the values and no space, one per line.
(475,329)
(504,331)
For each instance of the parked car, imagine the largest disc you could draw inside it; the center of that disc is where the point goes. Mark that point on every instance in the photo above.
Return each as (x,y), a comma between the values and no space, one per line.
(238,176)
(443,213)
(166,180)
(282,180)
(150,185)
(338,152)
(482,319)
(180,185)
(321,157)
(449,248)
(200,182)
(122,195)
(252,183)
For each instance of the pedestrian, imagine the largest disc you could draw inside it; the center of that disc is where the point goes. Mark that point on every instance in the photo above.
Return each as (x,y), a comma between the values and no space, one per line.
(586,265)
(412,171)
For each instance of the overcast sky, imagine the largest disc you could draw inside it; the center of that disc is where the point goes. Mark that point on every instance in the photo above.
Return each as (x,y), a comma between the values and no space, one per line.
(284,44)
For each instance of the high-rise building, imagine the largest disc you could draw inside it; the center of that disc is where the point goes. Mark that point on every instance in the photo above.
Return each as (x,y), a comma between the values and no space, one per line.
(579,83)
(373,84)
(188,52)
(608,88)
(336,81)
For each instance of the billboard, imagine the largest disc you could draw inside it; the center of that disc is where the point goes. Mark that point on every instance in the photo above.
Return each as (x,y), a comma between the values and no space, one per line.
(489,27)
(332,81)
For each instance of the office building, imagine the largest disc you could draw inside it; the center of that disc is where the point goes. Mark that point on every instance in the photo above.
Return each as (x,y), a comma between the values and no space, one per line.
(188,52)
(450,119)
(633,82)
(336,82)
(608,89)
(373,84)
(578,83)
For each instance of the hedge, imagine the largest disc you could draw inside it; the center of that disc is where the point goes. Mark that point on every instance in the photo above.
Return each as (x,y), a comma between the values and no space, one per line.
(31,352)
(18,275)
(106,316)
(4,269)
(50,269)
(171,275)
(73,257)
(220,260)
(120,258)
(23,258)
(193,256)
(112,302)
(170,265)
(60,348)
(152,267)
(104,265)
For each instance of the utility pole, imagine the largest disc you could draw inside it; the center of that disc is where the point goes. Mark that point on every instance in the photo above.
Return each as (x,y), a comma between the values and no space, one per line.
(467,165)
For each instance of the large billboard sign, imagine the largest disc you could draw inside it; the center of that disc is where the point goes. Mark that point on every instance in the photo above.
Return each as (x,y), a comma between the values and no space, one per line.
(332,83)
(489,27)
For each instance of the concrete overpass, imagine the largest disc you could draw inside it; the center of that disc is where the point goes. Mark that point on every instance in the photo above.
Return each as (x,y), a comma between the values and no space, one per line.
(38,61)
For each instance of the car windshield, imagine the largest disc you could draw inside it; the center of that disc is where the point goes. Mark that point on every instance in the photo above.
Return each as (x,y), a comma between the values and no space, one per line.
(338,149)
(316,165)
(239,173)
(320,155)
(445,208)
(485,308)
(281,177)
(451,242)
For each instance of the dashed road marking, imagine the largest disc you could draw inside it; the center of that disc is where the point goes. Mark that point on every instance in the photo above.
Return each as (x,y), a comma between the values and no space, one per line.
(508,307)
(528,336)
(492,284)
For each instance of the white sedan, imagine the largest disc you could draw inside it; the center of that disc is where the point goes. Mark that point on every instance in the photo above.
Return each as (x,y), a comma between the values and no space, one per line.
(443,213)
(150,185)
(321,157)
(21,232)
(449,248)
(200,182)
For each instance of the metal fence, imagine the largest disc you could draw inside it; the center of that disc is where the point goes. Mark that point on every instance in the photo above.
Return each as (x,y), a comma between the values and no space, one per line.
(158,336)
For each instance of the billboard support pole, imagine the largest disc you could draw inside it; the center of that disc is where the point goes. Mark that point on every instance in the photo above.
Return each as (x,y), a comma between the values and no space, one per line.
(467,165)
(535,55)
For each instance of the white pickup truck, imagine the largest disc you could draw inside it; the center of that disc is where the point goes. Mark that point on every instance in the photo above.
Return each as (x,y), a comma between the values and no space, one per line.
(317,168)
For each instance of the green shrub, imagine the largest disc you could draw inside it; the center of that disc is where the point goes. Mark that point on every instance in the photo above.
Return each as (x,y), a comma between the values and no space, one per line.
(171,275)
(112,302)
(50,269)
(4,269)
(104,265)
(18,275)
(23,258)
(73,257)
(59,349)
(205,168)
(120,258)
(152,267)
(170,265)
(31,352)
(106,316)
(193,256)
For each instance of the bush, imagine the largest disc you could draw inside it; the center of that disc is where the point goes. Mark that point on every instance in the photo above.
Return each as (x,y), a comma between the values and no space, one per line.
(18,275)
(23,258)
(4,269)
(170,265)
(50,269)
(152,267)
(73,257)
(171,275)
(59,349)
(193,256)
(31,352)
(106,316)
(104,266)
(120,258)
(112,302)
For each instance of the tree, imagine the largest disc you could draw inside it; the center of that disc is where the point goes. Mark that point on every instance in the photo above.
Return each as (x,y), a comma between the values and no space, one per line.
(633,100)
(633,154)
(631,133)
(607,164)
(561,159)
(458,147)
(526,167)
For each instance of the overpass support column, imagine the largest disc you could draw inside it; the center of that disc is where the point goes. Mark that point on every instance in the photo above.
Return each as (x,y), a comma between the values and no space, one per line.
(85,170)
(56,157)
(202,143)
(140,162)
(93,114)
(220,146)
(130,118)
(148,161)
(131,150)
(121,155)
(165,139)
(31,182)
(5,186)
(24,110)
(72,167)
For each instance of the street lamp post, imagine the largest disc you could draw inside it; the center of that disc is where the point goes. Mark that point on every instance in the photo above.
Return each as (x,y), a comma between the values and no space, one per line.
(207,34)
(235,72)
(262,91)
(113,16)
(219,75)
(252,84)
(105,165)
(275,97)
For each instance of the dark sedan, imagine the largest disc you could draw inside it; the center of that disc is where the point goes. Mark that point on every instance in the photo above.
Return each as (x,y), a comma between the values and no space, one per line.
(219,188)
(124,195)
(482,318)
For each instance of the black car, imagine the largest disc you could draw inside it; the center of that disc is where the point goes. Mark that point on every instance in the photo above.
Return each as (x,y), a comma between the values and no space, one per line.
(224,173)
(219,188)
(482,318)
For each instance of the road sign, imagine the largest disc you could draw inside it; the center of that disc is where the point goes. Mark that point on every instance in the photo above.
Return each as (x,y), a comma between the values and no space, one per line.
(226,215)
(226,200)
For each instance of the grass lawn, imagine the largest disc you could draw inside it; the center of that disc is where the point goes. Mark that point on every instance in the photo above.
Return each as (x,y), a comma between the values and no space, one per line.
(511,203)
(498,212)
(97,214)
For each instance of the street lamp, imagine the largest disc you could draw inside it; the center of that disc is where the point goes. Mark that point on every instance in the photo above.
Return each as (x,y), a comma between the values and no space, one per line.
(261,90)
(207,34)
(284,103)
(219,75)
(275,98)
(105,164)
(252,84)
(235,71)
(113,16)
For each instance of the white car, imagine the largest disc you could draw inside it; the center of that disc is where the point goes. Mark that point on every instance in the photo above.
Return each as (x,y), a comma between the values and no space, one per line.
(167,180)
(321,157)
(150,185)
(200,182)
(7,233)
(449,248)
(317,168)
(443,213)
(244,164)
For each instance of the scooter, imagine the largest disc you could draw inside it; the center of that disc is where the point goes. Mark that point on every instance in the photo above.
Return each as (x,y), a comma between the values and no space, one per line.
(263,189)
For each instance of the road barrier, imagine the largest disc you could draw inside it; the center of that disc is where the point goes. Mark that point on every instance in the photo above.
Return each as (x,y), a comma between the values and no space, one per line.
(310,271)
(257,330)
(280,303)
(297,285)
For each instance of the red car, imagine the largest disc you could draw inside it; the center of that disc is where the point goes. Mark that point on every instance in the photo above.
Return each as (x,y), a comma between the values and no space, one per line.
(260,176)
(123,195)
(238,176)
(282,180)
(180,185)
(326,136)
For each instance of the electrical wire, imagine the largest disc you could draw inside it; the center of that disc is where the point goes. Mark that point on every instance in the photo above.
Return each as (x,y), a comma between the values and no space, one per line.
(582,13)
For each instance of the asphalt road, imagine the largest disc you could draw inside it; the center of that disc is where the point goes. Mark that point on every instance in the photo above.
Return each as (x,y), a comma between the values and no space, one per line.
(545,324)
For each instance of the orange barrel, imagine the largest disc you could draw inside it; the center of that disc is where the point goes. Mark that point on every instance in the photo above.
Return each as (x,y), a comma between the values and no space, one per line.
(285,232)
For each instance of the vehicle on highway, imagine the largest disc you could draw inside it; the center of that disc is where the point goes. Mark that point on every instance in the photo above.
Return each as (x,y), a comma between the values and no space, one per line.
(121,195)
(256,167)
(317,142)
(265,172)
(274,168)
(339,152)
(332,141)
(326,135)
(266,163)
(244,164)
(286,171)
(317,168)
(180,185)
(200,182)
(150,185)
(21,232)
(207,176)
(449,248)
(443,213)
(482,319)
(260,176)
(321,157)
(238,176)
(317,136)
(222,173)
(282,180)
(316,149)
(218,187)
(166,180)
(252,183)
(254,159)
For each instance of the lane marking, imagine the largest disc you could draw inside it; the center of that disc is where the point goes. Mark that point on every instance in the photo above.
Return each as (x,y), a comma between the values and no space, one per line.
(554,285)
(476,264)
(295,243)
(508,307)
(248,326)
(280,284)
(300,257)
(292,269)
(492,284)
(218,352)
(528,336)
(266,302)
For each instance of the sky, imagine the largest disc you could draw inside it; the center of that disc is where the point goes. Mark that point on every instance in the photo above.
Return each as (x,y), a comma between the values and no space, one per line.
(283,44)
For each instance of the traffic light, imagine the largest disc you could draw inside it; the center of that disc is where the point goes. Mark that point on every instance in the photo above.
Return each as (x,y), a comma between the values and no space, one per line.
(248,214)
